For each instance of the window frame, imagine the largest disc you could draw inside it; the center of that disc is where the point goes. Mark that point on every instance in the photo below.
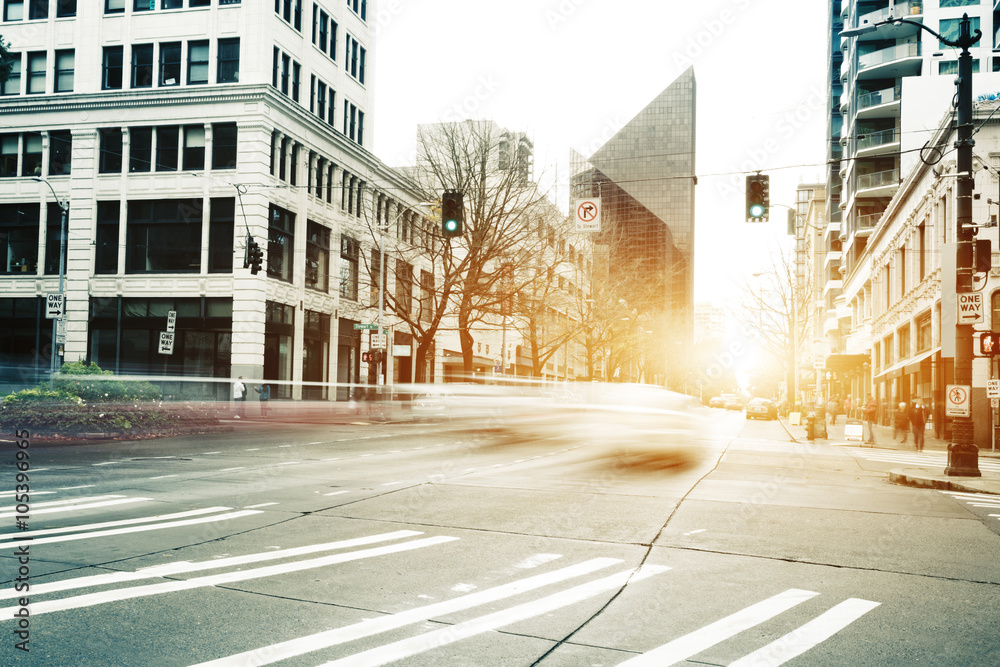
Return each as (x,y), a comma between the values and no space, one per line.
(173,66)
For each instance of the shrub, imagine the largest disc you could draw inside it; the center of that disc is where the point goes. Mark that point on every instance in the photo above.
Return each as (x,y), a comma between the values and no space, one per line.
(91,383)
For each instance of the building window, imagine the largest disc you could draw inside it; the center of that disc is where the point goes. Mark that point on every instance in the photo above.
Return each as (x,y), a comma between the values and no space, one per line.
(950,67)
(143,5)
(65,8)
(280,243)
(13,10)
(38,9)
(53,239)
(114,57)
(140,149)
(426,296)
(324,21)
(167,147)
(286,65)
(221,229)
(361,127)
(404,287)
(194,147)
(111,150)
(60,152)
(114,6)
(106,242)
(8,155)
(197,72)
(12,86)
(321,99)
(31,165)
(349,250)
(36,73)
(924,341)
(317,257)
(224,140)
(173,4)
(170,64)
(229,61)
(19,238)
(164,235)
(949,28)
(142,66)
(296,75)
(333,40)
(64,71)
(202,3)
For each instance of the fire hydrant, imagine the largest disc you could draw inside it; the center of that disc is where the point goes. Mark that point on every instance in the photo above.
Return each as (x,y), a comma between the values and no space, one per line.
(811,425)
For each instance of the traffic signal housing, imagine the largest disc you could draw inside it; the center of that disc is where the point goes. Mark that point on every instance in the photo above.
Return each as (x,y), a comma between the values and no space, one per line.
(989,343)
(758,197)
(366,357)
(452,213)
(256,256)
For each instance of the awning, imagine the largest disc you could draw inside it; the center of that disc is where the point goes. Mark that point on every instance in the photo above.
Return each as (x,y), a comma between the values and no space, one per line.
(845,363)
(907,366)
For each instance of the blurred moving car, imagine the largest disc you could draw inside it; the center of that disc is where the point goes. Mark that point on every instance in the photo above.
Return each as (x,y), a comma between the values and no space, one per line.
(434,405)
(761,408)
(734,402)
(717,401)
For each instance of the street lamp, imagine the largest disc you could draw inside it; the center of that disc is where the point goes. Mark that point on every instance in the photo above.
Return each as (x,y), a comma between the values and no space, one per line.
(963,455)
(64,208)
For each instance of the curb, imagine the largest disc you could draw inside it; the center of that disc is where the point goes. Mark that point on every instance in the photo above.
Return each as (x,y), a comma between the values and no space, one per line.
(920,479)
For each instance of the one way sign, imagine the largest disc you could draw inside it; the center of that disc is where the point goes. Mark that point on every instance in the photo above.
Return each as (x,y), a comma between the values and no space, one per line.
(53,306)
(970,308)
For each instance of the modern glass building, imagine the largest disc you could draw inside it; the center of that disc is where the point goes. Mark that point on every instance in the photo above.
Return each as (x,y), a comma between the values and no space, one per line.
(644,176)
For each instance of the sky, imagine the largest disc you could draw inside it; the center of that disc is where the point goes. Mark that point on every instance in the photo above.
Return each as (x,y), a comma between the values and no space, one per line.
(571,73)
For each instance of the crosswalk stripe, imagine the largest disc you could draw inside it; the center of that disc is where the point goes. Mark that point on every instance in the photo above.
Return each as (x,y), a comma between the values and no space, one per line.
(6,494)
(117,595)
(435,639)
(184,567)
(107,524)
(69,501)
(140,529)
(85,506)
(367,628)
(694,643)
(809,635)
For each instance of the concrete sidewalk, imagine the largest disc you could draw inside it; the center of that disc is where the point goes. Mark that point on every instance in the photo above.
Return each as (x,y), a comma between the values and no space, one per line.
(930,476)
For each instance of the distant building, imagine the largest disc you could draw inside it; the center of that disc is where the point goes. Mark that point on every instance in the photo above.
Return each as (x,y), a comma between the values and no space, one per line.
(709,322)
(645,178)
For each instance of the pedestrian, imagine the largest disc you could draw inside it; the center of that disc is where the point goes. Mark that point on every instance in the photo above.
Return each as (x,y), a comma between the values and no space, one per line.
(871,411)
(847,407)
(265,395)
(918,420)
(831,408)
(240,396)
(902,422)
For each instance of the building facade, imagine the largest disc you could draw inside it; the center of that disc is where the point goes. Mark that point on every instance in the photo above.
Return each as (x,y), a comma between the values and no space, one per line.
(176,132)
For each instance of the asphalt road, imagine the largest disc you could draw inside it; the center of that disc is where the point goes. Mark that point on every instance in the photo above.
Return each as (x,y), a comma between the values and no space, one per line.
(420,544)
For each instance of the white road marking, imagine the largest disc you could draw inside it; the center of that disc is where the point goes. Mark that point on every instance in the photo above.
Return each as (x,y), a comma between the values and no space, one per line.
(159,526)
(318,442)
(284,446)
(209,453)
(252,449)
(85,506)
(700,530)
(231,469)
(374,626)
(184,567)
(106,463)
(288,463)
(39,469)
(117,595)
(437,638)
(333,459)
(536,560)
(464,588)
(336,493)
(69,501)
(108,524)
(392,483)
(164,476)
(70,488)
(250,507)
(6,494)
(814,632)
(694,643)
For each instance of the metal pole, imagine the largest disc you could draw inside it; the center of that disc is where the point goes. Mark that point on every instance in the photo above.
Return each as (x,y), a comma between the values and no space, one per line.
(64,211)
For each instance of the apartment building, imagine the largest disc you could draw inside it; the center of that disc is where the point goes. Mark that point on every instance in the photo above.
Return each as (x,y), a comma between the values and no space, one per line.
(174,131)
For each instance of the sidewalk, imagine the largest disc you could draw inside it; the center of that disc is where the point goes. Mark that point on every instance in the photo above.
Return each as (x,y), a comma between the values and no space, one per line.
(930,476)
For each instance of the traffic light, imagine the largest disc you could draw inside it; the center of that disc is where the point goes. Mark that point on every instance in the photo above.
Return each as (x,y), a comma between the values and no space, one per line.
(984,256)
(758,197)
(375,356)
(246,251)
(989,343)
(256,257)
(366,357)
(451,213)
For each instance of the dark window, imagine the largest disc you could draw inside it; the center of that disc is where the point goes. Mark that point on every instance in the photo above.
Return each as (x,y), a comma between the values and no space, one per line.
(8,154)
(333,39)
(173,4)
(114,6)
(333,98)
(167,147)
(220,234)
(53,239)
(164,235)
(274,67)
(19,238)
(194,147)
(281,158)
(286,64)
(65,8)
(142,66)
(140,149)
(197,72)
(202,3)
(111,150)
(224,137)
(321,99)
(107,237)
(317,257)
(31,165)
(229,61)
(170,64)
(38,9)
(36,73)
(293,168)
(361,66)
(324,21)
(13,10)
(65,60)
(404,286)
(296,74)
(60,152)
(280,243)
(361,127)
(298,15)
(349,251)
(113,62)
(12,86)
(143,5)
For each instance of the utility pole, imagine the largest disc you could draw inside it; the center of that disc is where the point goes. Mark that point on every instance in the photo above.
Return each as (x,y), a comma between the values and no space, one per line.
(64,208)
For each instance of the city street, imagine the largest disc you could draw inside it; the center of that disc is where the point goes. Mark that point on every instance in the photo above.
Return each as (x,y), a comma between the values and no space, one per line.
(419,544)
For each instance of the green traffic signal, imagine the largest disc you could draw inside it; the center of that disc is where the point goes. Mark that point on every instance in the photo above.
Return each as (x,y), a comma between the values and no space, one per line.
(451,213)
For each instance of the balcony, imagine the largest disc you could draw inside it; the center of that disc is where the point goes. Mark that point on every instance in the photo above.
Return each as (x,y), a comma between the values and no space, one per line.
(866,222)
(878,184)
(878,143)
(891,63)
(883,103)
(912,11)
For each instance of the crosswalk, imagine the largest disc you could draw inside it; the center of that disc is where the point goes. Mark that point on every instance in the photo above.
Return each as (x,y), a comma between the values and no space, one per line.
(923,459)
(980,500)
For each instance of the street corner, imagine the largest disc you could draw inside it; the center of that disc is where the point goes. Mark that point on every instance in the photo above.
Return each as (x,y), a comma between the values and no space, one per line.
(935,478)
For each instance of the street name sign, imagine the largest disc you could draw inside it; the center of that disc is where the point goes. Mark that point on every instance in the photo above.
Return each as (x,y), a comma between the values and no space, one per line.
(53,306)
(359,326)
(958,401)
(970,308)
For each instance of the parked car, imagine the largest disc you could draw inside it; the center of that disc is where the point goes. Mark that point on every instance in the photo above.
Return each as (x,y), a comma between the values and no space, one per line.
(734,402)
(761,408)
(717,402)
